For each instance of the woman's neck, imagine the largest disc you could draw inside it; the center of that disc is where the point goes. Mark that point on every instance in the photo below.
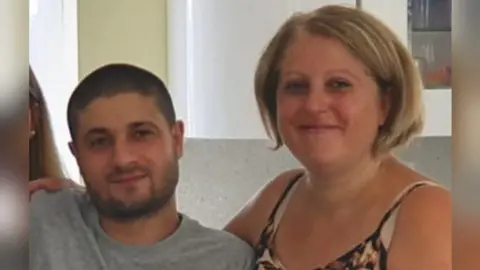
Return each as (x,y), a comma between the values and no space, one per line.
(339,190)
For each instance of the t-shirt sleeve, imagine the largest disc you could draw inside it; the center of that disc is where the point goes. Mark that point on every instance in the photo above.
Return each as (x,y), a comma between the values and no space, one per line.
(243,254)
(48,222)
(40,202)
(42,205)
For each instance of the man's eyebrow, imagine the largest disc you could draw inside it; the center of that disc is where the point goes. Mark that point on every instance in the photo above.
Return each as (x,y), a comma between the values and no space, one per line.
(97,130)
(143,123)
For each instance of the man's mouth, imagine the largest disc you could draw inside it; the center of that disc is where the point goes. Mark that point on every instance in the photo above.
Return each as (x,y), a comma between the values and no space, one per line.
(129,179)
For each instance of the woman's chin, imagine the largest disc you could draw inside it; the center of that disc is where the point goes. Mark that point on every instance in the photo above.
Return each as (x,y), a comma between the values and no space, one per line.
(319,153)
(320,160)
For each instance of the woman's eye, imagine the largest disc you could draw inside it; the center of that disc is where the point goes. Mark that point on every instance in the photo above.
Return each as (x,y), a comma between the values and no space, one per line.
(296,87)
(339,84)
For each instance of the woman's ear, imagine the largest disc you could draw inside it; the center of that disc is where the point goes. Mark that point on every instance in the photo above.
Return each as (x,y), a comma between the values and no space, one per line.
(31,124)
(385,105)
(33,118)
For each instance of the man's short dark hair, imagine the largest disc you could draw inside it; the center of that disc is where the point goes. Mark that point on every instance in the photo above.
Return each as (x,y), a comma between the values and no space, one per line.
(114,79)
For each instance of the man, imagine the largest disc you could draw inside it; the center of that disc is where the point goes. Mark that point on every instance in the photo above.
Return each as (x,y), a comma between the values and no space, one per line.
(127,143)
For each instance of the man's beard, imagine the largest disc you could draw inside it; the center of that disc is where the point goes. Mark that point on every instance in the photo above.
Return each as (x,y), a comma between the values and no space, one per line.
(118,210)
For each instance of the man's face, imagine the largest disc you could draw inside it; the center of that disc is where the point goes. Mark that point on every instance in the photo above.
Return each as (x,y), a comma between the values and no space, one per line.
(128,155)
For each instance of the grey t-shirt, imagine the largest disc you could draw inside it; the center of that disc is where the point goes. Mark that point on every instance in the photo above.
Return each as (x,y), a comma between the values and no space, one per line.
(65,234)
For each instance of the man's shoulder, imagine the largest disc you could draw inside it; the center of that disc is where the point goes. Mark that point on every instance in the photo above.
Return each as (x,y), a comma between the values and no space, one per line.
(222,246)
(55,199)
(60,235)
(206,234)
(44,205)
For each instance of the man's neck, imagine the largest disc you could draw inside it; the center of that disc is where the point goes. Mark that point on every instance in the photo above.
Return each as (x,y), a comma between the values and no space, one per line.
(146,231)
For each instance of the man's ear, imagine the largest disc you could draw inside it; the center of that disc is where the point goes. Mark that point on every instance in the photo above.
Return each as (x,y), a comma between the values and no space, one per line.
(72,148)
(178,133)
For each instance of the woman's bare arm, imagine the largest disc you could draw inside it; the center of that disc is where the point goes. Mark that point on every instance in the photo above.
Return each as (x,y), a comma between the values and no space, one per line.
(249,222)
(422,238)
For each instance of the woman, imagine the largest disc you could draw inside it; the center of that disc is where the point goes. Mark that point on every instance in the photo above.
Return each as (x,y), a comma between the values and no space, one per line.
(44,160)
(339,89)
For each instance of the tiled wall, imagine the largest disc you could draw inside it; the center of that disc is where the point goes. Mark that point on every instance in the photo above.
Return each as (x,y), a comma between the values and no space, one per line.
(219,176)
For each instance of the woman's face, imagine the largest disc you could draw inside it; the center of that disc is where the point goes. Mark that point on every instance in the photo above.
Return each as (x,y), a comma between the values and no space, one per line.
(329,109)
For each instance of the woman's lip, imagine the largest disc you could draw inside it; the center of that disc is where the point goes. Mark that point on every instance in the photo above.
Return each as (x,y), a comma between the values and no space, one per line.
(319,127)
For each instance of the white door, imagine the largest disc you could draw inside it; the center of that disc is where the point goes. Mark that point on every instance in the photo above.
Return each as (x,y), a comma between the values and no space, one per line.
(214,47)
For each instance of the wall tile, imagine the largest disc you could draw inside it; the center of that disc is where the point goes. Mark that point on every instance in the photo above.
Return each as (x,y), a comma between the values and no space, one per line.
(219,176)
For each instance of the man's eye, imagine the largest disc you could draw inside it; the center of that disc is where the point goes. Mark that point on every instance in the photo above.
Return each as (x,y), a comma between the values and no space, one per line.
(143,133)
(99,142)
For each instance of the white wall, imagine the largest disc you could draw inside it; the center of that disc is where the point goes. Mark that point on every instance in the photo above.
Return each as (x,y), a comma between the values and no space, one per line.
(132,31)
(64,49)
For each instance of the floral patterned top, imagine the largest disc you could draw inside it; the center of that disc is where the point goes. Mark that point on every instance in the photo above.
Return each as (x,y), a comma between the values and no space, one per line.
(371,254)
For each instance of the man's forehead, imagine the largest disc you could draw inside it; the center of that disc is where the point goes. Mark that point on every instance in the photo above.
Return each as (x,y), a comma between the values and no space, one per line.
(102,129)
(130,101)
(120,112)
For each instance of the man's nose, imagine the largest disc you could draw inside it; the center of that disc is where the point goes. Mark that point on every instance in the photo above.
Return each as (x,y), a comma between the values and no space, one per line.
(123,153)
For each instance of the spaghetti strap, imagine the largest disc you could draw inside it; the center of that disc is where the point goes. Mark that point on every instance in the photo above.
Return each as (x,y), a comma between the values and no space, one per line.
(292,182)
(269,227)
(387,225)
(400,197)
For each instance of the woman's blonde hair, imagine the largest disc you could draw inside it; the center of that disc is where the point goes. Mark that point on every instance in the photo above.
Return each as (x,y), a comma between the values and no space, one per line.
(375,45)
(44,159)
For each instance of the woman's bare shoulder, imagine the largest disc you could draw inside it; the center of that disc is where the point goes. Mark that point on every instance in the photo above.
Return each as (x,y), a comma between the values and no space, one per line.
(422,235)
(253,217)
